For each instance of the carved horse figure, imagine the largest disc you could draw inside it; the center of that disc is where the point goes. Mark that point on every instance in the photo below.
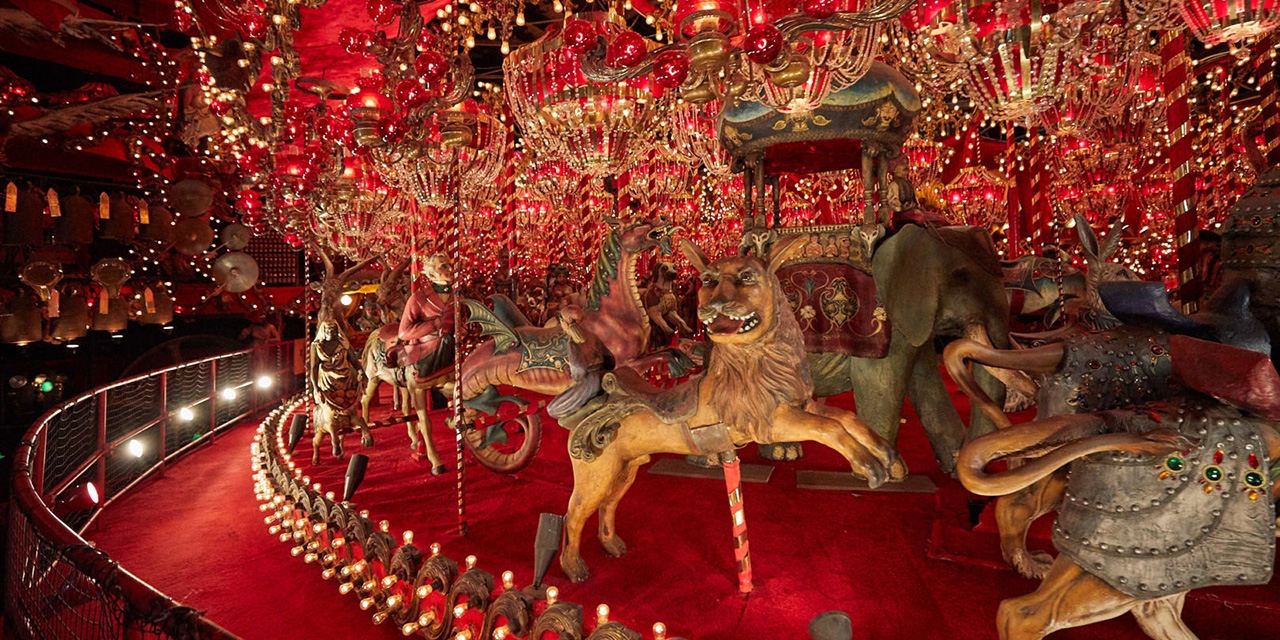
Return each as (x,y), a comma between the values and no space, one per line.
(612,328)
(756,388)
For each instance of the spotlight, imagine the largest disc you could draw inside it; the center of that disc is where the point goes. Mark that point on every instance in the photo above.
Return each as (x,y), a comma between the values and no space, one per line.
(264,382)
(135,448)
(355,475)
(832,625)
(73,346)
(168,328)
(83,496)
(345,300)
(185,414)
(46,386)
(545,545)
(296,429)
(229,393)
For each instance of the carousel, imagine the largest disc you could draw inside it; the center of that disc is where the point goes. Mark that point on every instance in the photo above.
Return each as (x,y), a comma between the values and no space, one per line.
(856,318)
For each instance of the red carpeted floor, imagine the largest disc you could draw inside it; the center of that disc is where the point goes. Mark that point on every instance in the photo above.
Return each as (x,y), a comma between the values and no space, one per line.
(197,535)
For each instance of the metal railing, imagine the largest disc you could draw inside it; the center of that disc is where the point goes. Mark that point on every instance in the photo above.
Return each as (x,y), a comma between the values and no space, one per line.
(87,452)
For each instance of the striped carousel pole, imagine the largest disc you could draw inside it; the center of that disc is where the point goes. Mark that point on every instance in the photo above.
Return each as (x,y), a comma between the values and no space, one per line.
(1176,81)
(455,255)
(741,548)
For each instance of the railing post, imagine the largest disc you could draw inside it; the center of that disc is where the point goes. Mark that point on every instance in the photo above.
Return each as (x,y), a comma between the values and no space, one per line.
(37,461)
(213,397)
(164,420)
(101,399)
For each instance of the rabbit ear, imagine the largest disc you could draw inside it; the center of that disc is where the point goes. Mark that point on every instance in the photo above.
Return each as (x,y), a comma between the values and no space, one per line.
(1114,236)
(1088,239)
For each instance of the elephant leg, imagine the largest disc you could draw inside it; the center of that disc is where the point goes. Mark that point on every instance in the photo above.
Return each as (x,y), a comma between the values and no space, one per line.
(880,385)
(1014,515)
(928,394)
(613,545)
(592,483)
(1161,619)
(1068,597)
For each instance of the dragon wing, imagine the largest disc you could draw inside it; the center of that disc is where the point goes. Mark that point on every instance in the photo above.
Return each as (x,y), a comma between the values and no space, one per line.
(491,325)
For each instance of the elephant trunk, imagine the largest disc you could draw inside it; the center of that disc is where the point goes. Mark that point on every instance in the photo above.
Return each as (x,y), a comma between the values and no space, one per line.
(1053,443)
(960,353)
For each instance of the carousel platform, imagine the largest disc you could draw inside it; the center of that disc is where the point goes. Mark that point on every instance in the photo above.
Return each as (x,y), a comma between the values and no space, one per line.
(902,565)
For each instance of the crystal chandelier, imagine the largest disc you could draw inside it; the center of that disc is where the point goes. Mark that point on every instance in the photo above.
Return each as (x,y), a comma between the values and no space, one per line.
(599,128)
(694,136)
(459,156)
(977,197)
(657,178)
(1217,21)
(1016,72)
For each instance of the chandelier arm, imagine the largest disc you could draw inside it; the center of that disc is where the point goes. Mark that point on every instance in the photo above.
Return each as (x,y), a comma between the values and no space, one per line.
(596,70)
(844,20)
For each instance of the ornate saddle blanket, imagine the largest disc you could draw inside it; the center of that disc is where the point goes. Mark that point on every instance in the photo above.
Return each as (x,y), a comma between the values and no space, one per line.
(833,295)
(1155,526)
(626,393)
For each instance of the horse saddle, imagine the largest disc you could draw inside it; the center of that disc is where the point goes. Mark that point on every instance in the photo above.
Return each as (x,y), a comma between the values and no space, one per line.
(669,405)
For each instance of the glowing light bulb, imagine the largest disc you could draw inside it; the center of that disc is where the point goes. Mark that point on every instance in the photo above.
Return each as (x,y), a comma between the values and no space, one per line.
(229,393)
(345,300)
(186,414)
(264,382)
(135,448)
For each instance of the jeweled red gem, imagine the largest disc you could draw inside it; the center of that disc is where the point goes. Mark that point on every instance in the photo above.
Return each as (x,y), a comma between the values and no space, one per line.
(1253,460)
(579,37)
(1217,456)
(763,43)
(626,50)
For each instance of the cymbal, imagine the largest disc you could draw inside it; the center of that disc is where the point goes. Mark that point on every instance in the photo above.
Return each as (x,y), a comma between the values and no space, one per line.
(192,236)
(235,271)
(41,274)
(111,273)
(191,197)
(236,236)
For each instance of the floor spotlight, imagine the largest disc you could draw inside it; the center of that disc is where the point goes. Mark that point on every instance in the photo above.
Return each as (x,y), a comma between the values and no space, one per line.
(264,382)
(229,393)
(832,625)
(355,475)
(296,429)
(135,448)
(81,497)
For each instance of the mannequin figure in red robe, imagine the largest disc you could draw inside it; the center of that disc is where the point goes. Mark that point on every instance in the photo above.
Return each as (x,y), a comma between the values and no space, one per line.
(426,326)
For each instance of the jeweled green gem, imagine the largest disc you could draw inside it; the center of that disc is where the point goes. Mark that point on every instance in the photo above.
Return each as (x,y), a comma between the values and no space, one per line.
(1254,479)
(1213,473)
(1175,464)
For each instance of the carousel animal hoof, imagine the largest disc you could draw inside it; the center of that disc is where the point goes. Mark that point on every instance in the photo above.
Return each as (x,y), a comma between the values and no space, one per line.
(438,470)
(781,451)
(366,439)
(614,546)
(574,568)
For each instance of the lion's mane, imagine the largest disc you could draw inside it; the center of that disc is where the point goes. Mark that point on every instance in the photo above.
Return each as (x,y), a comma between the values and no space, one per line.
(753,380)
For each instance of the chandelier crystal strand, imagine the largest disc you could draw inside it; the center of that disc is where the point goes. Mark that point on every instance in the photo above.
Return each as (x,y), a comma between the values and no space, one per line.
(599,128)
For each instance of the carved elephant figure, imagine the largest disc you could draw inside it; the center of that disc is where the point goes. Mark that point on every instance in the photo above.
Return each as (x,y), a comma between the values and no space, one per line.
(932,283)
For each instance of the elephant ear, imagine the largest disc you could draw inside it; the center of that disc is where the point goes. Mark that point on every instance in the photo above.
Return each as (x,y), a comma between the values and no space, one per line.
(909,270)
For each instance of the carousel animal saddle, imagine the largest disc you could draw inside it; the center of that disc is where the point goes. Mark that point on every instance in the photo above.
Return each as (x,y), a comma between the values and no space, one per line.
(626,393)
(1153,526)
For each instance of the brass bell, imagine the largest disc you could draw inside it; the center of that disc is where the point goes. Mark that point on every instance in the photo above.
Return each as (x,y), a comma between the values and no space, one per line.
(708,51)
(794,74)
(700,94)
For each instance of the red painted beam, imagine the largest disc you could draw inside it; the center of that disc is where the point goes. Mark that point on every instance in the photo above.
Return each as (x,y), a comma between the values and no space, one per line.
(86,55)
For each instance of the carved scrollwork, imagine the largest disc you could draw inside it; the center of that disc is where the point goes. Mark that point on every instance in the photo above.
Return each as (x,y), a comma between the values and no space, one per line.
(614,631)
(513,607)
(562,618)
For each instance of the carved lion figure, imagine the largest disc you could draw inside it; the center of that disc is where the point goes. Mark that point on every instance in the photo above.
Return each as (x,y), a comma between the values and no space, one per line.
(756,388)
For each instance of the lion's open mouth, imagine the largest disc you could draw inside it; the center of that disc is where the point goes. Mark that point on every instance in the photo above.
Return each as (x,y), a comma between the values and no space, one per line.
(724,324)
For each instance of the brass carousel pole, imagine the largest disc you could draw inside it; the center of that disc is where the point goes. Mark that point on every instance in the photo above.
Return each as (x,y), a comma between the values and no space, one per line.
(455,243)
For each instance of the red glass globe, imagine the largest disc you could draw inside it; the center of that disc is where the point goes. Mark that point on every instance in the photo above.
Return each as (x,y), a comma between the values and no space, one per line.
(670,69)
(626,50)
(579,37)
(763,43)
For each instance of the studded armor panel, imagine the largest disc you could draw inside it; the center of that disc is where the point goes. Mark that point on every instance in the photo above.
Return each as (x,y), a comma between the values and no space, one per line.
(1152,526)
(1109,369)
(1252,236)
